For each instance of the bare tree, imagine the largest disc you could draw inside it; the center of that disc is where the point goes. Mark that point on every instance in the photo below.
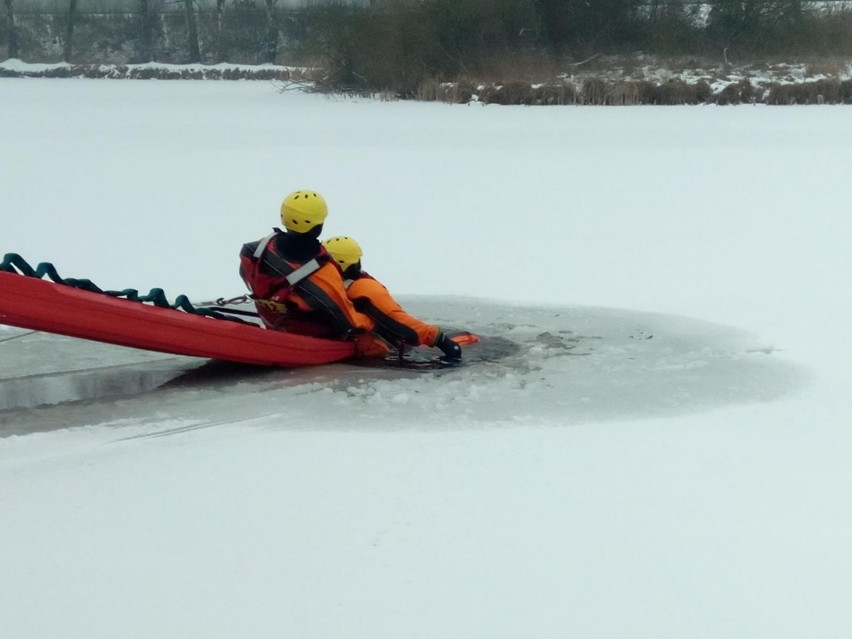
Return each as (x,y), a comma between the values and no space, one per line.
(69,31)
(13,30)
(795,12)
(146,30)
(751,24)
(192,31)
(272,32)
(586,26)
(220,45)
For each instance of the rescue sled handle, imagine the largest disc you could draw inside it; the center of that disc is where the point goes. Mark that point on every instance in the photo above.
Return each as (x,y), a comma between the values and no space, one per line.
(14,263)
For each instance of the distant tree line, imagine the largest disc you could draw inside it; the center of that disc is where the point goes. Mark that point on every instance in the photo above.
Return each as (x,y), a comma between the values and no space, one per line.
(135,31)
(399,44)
(396,44)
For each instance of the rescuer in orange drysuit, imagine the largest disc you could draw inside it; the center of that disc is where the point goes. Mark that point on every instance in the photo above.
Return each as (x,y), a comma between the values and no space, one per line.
(371,298)
(295,284)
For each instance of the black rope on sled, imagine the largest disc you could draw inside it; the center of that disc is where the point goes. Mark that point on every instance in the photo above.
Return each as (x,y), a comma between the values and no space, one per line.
(14,263)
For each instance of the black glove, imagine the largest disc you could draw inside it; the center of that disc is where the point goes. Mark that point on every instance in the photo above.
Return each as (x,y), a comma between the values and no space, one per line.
(450,349)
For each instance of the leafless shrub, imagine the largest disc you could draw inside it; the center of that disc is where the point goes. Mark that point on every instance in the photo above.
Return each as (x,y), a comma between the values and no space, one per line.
(594,91)
(143,73)
(748,92)
(624,94)
(703,91)
(831,66)
(57,72)
(676,92)
(780,94)
(846,91)
(427,90)
(649,92)
(455,92)
(552,94)
(509,93)
(531,67)
(515,92)
(827,91)
(742,92)
(818,92)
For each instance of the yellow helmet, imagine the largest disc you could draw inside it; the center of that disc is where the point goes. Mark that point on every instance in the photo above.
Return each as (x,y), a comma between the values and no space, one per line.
(302,211)
(344,250)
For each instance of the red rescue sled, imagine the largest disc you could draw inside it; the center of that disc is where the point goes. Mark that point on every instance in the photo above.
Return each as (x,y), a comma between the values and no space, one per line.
(41,305)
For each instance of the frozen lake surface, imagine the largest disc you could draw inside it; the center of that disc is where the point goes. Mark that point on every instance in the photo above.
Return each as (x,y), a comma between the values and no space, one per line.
(652,442)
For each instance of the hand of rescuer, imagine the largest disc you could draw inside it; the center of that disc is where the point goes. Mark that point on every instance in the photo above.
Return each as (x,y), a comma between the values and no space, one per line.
(450,349)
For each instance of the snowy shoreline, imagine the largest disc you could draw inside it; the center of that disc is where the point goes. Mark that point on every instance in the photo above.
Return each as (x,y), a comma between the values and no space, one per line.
(779,84)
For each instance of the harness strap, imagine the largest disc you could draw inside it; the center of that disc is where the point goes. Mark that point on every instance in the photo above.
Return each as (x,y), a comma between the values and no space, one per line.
(292,277)
(303,271)
(316,298)
(261,246)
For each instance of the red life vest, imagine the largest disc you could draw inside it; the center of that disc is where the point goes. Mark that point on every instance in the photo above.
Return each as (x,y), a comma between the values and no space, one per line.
(305,297)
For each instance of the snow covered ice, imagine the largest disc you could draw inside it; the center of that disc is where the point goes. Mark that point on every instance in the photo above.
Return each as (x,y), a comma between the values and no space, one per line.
(666,453)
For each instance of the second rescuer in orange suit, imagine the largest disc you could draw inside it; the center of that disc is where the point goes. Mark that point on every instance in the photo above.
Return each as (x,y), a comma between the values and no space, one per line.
(371,298)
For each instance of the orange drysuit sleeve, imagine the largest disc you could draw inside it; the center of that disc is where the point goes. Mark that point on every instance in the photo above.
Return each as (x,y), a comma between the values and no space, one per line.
(392,322)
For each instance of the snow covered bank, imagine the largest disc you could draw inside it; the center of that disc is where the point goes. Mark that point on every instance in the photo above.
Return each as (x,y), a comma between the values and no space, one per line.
(13,68)
(619,82)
